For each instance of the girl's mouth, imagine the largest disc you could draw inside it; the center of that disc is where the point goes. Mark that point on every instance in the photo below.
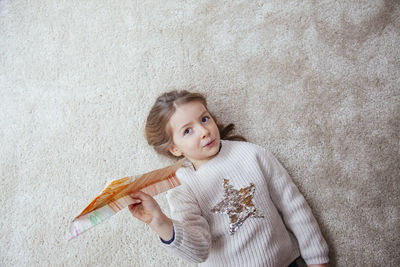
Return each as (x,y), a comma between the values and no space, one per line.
(210,144)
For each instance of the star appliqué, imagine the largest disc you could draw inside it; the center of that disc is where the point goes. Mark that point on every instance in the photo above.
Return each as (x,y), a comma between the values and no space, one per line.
(238,205)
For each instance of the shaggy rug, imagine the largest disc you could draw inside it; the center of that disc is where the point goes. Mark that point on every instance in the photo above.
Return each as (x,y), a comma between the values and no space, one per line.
(315,82)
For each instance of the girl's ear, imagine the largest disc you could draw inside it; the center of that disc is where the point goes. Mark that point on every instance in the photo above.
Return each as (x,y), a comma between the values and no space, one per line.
(175,151)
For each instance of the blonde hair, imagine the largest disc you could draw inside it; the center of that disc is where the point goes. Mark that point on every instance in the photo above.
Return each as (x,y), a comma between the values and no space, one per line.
(159,135)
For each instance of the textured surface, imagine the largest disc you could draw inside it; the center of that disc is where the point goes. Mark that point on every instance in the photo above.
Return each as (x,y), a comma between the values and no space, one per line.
(318,83)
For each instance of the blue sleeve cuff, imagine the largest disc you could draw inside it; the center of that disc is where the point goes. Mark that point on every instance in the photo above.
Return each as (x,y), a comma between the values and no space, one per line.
(171,240)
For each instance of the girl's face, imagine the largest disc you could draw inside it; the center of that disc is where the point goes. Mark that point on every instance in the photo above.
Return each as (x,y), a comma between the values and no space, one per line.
(195,134)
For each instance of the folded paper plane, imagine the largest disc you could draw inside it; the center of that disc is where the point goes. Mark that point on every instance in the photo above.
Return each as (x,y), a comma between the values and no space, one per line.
(115,196)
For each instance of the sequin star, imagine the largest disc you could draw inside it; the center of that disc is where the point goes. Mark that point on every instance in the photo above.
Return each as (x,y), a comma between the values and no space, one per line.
(238,205)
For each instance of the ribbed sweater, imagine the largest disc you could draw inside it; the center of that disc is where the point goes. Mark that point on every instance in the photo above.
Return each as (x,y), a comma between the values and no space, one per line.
(287,230)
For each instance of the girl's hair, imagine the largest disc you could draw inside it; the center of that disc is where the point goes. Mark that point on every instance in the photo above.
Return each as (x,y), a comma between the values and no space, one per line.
(159,135)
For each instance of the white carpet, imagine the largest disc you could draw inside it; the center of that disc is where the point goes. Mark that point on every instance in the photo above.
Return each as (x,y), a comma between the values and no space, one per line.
(316,82)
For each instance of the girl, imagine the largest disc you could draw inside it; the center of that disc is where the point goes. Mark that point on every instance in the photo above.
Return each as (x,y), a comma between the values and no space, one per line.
(263,219)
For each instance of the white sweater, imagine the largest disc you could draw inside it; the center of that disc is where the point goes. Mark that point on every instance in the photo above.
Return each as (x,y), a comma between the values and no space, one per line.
(202,236)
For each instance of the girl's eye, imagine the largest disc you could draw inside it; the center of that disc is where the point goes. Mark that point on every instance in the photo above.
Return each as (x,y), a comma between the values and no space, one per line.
(187,131)
(205,119)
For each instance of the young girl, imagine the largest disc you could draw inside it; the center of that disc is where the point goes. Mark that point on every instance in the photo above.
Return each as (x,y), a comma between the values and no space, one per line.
(236,205)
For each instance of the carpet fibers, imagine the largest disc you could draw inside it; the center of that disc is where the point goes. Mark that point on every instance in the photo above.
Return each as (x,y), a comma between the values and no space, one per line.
(315,82)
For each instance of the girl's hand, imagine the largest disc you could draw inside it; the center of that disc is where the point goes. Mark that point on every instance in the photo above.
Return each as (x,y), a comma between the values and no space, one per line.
(148,211)
(145,208)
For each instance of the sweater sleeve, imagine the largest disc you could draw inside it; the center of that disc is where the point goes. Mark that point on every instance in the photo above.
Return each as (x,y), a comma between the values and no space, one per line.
(295,211)
(192,235)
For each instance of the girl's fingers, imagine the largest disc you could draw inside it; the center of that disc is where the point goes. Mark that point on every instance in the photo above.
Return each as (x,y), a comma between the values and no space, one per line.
(140,195)
(133,208)
(136,201)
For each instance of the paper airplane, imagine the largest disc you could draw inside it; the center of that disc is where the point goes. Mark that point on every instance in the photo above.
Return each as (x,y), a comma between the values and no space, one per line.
(115,196)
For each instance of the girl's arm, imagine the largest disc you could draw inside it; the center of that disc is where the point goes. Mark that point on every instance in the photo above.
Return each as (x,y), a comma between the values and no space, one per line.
(192,232)
(295,212)
(187,234)
(148,211)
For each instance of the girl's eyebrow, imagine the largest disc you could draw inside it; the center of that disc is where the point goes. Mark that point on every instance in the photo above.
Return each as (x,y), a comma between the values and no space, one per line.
(204,112)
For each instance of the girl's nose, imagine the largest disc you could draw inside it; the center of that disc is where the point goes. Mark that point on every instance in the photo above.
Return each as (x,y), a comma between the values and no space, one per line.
(204,131)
